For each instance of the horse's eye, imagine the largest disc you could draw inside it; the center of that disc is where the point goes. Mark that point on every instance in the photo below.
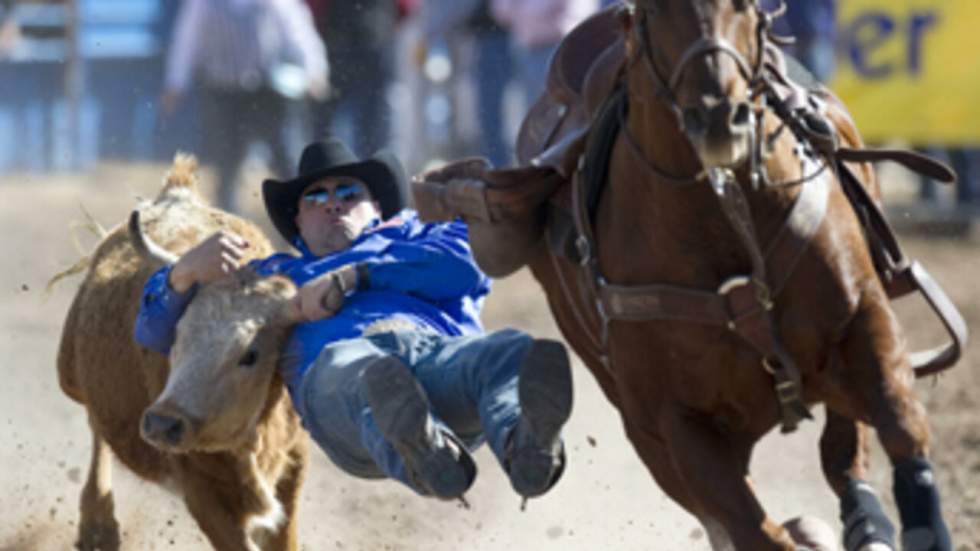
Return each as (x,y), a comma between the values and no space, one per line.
(249,359)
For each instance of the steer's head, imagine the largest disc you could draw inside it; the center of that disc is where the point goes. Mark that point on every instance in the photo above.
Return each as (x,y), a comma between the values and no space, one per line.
(222,365)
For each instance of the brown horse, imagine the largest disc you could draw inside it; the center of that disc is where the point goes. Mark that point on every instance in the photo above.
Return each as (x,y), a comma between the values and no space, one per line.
(711,306)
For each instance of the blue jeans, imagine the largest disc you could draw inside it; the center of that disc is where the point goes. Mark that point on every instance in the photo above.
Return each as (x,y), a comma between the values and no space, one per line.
(232,119)
(817,55)
(534,62)
(493,70)
(965,162)
(470,381)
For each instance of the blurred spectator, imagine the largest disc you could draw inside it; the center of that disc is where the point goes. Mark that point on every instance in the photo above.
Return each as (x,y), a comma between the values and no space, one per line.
(9,30)
(255,60)
(360,42)
(492,64)
(406,8)
(537,26)
(966,163)
(813,24)
(33,67)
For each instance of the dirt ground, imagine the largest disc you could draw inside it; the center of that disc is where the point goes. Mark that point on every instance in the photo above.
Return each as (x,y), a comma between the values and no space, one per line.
(606,500)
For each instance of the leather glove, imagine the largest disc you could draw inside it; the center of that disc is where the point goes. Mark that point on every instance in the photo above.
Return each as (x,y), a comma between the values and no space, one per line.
(454,190)
(324,296)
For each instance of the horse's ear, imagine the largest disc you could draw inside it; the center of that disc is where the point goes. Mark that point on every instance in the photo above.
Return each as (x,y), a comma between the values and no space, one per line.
(625,15)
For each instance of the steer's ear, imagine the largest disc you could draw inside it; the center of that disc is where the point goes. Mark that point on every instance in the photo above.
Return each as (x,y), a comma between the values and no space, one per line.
(285,298)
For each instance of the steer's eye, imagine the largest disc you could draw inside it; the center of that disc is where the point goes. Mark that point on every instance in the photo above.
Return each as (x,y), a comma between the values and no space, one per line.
(249,358)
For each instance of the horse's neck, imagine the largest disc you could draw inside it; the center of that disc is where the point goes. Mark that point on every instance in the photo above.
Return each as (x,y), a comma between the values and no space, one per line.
(662,227)
(681,222)
(659,137)
(658,142)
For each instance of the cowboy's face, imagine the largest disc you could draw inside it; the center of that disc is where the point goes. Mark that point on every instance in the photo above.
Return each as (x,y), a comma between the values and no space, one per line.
(333,212)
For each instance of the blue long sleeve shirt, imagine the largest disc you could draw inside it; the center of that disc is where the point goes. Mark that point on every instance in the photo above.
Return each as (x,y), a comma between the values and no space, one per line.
(420,273)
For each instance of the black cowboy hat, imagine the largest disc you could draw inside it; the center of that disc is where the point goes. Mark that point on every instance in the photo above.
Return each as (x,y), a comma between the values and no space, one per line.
(382,173)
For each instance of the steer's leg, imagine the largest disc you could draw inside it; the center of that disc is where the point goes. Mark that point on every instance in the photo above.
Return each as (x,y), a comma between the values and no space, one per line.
(714,465)
(844,457)
(287,491)
(97,528)
(879,380)
(218,511)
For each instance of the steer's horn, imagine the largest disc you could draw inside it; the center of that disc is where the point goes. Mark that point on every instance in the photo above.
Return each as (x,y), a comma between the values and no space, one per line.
(146,247)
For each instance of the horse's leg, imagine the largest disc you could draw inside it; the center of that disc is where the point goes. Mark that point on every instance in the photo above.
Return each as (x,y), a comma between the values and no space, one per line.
(653,452)
(714,466)
(879,381)
(844,450)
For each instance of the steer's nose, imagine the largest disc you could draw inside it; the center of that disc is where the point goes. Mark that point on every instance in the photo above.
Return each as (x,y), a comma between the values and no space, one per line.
(160,429)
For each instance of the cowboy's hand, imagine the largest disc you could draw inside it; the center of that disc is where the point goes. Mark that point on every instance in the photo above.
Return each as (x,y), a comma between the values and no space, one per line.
(211,259)
(448,192)
(468,168)
(324,296)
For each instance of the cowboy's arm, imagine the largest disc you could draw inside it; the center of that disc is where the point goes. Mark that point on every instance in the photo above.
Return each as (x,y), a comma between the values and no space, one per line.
(160,309)
(436,265)
(168,291)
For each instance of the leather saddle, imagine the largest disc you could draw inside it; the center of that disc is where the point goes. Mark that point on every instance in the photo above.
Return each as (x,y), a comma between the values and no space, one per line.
(584,70)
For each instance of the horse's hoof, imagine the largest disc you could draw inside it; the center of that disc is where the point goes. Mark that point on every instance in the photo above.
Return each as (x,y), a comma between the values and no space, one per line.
(876,546)
(811,533)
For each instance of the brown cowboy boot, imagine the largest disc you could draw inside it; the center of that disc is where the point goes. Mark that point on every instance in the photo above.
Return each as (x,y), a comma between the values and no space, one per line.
(436,462)
(535,453)
(503,208)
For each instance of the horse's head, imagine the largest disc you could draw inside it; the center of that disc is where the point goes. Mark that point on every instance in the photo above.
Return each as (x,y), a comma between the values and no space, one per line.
(704,58)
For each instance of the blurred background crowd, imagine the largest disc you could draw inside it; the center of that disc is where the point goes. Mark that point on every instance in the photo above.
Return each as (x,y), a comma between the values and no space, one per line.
(251,81)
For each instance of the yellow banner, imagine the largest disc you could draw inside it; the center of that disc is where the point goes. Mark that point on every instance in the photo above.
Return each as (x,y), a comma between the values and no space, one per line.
(910,69)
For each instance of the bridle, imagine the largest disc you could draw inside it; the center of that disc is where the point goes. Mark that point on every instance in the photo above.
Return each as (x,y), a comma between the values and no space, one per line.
(665,88)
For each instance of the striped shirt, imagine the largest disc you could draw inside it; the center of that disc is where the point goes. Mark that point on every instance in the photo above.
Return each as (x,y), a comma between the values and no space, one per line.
(238,44)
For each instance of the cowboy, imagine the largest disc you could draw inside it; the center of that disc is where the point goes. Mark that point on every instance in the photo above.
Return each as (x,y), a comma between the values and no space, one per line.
(391,372)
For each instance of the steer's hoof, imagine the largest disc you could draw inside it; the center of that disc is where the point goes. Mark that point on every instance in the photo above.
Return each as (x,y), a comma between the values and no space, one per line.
(98,536)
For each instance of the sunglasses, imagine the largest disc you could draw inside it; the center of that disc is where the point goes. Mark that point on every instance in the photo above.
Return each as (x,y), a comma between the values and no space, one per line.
(345,193)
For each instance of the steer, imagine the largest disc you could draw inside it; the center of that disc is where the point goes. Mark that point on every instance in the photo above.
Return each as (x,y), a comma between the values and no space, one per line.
(217,424)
